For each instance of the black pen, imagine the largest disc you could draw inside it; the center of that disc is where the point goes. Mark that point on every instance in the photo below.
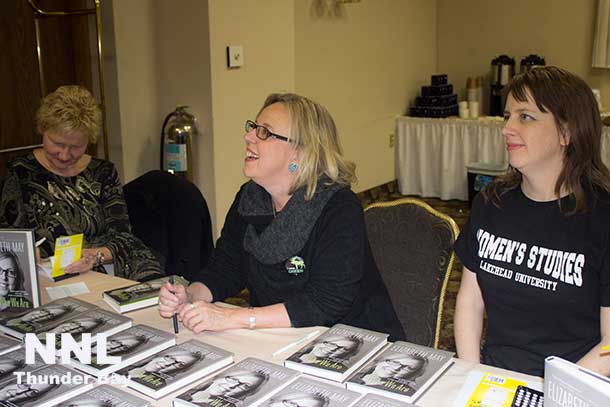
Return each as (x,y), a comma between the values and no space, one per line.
(175,317)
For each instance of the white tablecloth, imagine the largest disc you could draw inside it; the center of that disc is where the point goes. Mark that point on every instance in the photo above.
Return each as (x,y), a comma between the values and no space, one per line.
(432,154)
(260,343)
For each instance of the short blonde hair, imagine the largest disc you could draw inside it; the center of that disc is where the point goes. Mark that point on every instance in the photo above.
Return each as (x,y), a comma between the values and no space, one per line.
(314,134)
(70,108)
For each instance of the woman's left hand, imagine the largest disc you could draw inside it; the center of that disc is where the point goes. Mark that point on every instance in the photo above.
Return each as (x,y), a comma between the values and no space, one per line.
(202,316)
(84,264)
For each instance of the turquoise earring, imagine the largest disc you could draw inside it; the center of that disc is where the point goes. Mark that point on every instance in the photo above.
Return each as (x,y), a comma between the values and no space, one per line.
(293,167)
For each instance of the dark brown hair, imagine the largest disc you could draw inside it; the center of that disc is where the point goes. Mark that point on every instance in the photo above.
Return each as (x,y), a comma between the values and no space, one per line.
(571,102)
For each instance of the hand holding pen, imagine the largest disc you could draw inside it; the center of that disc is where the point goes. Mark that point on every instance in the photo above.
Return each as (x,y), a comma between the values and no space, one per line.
(171,298)
(175,317)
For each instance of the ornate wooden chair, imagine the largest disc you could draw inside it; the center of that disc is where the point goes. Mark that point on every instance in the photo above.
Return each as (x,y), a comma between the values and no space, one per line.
(412,245)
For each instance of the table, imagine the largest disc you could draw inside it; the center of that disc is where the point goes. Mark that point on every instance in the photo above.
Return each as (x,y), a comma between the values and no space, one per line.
(432,154)
(260,343)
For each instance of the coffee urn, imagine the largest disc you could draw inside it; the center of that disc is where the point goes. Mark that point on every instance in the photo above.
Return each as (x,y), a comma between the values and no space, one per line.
(531,61)
(503,69)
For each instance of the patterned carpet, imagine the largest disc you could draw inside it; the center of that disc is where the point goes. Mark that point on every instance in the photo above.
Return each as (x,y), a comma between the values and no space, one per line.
(458,210)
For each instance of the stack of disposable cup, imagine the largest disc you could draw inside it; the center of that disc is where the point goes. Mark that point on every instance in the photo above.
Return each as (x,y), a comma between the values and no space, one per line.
(463,109)
(474,109)
(472,95)
(471,89)
(480,95)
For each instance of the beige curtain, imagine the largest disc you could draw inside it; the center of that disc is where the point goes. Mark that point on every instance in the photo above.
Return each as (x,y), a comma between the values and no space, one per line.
(601,41)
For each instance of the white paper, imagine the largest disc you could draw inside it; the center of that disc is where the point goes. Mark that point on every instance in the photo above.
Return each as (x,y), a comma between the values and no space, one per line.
(472,381)
(45,267)
(67,290)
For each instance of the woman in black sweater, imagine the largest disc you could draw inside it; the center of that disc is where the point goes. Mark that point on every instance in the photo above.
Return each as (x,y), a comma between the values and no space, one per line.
(294,236)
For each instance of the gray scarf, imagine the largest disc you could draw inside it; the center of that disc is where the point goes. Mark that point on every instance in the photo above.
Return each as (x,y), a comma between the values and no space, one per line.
(288,232)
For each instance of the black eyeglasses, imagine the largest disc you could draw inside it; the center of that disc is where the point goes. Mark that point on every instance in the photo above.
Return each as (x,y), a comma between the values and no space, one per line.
(262,132)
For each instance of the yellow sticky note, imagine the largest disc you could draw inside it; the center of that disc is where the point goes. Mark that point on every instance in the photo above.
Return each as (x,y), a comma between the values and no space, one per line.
(68,249)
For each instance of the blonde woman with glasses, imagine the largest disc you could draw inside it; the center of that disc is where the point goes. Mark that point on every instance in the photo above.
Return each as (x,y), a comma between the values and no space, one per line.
(294,236)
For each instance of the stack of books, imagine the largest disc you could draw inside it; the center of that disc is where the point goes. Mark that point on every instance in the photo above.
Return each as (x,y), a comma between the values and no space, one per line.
(8,344)
(46,387)
(138,296)
(247,383)
(337,352)
(42,319)
(567,384)
(403,371)
(15,362)
(96,321)
(132,345)
(175,367)
(105,396)
(311,392)
(363,361)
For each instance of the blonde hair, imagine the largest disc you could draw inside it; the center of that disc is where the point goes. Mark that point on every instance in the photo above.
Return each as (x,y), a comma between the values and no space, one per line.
(314,134)
(70,108)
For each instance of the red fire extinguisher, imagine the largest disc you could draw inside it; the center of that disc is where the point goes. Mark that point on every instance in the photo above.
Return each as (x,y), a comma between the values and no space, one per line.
(177,132)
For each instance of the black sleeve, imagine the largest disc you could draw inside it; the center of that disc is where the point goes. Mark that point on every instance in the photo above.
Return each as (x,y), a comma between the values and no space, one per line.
(225,274)
(336,266)
(466,246)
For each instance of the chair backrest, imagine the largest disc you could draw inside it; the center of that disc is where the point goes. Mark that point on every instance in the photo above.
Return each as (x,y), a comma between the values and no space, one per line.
(171,216)
(412,245)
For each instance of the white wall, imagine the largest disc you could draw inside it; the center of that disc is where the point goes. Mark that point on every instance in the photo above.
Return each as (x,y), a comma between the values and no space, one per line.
(365,62)
(265,28)
(136,54)
(472,32)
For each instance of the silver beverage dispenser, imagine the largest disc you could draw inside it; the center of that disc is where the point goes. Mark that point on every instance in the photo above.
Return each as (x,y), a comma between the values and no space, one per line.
(531,61)
(503,69)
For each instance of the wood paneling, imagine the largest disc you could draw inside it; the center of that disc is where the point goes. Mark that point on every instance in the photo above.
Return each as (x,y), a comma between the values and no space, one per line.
(66,59)
(19,83)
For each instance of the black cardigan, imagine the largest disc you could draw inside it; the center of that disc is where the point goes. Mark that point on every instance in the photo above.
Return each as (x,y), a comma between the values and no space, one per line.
(340,282)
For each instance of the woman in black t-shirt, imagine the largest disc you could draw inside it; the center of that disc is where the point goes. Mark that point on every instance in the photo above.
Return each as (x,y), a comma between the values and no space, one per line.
(536,248)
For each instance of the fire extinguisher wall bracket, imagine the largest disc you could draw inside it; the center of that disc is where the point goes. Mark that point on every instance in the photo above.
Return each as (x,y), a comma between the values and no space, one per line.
(177,132)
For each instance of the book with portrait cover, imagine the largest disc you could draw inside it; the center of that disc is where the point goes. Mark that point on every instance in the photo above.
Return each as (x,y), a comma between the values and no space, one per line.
(18,277)
(403,371)
(131,345)
(311,392)
(96,321)
(247,383)
(15,362)
(45,388)
(337,352)
(175,367)
(137,296)
(41,319)
(375,400)
(105,396)
(8,344)
(567,384)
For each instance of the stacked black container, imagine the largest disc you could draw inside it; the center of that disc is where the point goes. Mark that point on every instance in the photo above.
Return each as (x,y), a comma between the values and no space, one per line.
(436,100)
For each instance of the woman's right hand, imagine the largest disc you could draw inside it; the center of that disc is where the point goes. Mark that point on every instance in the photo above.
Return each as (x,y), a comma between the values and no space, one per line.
(171,297)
